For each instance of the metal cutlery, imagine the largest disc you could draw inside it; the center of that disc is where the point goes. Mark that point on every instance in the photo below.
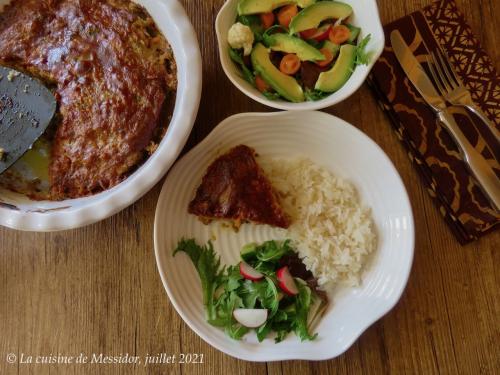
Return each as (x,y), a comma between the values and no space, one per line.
(26,109)
(479,167)
(453,90)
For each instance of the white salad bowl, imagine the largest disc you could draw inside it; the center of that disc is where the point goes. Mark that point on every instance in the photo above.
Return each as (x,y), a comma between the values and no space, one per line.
(19,212)
(365,15)
(327,141)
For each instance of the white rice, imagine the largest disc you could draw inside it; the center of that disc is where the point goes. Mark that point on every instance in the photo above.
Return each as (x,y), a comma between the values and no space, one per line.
(333,232)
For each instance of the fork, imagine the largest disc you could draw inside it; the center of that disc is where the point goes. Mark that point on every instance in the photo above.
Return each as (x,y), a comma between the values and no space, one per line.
(453,90)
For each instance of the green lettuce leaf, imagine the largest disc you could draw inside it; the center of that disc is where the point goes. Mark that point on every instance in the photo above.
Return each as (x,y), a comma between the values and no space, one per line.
(303,304)
(272,251)
(363,57)
(238,59)
(313,95)
(225,289)
(207,263)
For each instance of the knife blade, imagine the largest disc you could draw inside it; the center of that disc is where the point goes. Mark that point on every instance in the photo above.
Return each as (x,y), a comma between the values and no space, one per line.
(477,164)
(415,72)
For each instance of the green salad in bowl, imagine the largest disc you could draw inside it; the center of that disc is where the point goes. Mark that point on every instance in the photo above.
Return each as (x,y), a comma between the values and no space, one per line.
(296,50)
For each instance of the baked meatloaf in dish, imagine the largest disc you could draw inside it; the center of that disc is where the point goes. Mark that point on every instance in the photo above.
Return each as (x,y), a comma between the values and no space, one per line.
(114,77)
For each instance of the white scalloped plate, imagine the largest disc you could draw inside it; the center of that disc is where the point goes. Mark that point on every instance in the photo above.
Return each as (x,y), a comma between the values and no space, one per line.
(328,141)
(19,212)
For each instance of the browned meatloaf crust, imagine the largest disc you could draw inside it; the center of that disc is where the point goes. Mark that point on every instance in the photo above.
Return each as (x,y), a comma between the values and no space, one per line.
(235,188)
(112,72)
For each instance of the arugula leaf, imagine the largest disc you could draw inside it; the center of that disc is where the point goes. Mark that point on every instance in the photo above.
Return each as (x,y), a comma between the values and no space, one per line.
(262,292)
(269,299)
(225,305)
(207,263)
(225,290)
(219,310)
(282,323)
(272,95)
(266,268)
(233,279)
(282,329)
(313,95)
(271,251)
(264,330)
(236,331)
(236,57)
(363,57)
(303,303)
(248,294)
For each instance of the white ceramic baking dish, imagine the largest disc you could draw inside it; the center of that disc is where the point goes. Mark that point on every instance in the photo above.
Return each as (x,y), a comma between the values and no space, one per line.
(19,212)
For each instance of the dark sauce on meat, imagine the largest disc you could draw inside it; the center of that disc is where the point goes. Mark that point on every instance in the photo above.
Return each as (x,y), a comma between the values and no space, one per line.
(235,188)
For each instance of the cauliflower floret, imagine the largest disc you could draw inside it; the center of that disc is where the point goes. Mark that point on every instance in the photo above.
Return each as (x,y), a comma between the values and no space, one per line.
(241,36)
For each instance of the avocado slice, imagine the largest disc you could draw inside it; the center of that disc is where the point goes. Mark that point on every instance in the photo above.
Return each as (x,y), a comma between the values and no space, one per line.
(305,3)
(246,7)
(291,44)
(313,15)
(334,79)
(284,85)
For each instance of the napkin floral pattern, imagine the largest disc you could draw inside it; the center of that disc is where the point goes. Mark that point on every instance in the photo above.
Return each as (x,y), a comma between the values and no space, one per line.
(431,149)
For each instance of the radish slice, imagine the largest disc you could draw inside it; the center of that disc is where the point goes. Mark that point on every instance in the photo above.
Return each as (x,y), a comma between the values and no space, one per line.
(286,281)
(251,318)
(250,273)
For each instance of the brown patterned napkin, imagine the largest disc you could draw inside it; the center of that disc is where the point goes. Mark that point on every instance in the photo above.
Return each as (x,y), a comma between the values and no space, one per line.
(431,149)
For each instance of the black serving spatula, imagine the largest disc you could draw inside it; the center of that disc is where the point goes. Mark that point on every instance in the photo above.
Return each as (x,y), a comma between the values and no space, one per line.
(26,109)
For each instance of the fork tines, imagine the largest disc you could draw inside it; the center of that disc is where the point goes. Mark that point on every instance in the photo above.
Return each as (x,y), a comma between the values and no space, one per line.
(442,72)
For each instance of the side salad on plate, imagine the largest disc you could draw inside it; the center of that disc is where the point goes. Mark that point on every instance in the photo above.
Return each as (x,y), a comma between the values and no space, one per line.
(296,50)
(269,290)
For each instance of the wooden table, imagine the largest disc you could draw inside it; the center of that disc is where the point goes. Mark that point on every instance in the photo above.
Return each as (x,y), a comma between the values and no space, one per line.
(97,290)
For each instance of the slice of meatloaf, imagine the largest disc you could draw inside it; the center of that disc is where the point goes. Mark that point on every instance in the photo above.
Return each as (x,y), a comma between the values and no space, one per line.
(235,188)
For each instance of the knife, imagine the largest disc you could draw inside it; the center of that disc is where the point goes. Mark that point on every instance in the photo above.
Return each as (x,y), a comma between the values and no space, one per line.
(479,167)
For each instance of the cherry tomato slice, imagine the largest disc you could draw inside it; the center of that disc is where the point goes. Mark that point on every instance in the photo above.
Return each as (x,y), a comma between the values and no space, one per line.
(339,34)
(260,84)
(286,14)
(267,19)
(309,33)
(290,64)
(328,57)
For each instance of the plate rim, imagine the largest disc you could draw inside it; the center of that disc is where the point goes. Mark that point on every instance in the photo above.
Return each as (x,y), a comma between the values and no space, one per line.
(321,355)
